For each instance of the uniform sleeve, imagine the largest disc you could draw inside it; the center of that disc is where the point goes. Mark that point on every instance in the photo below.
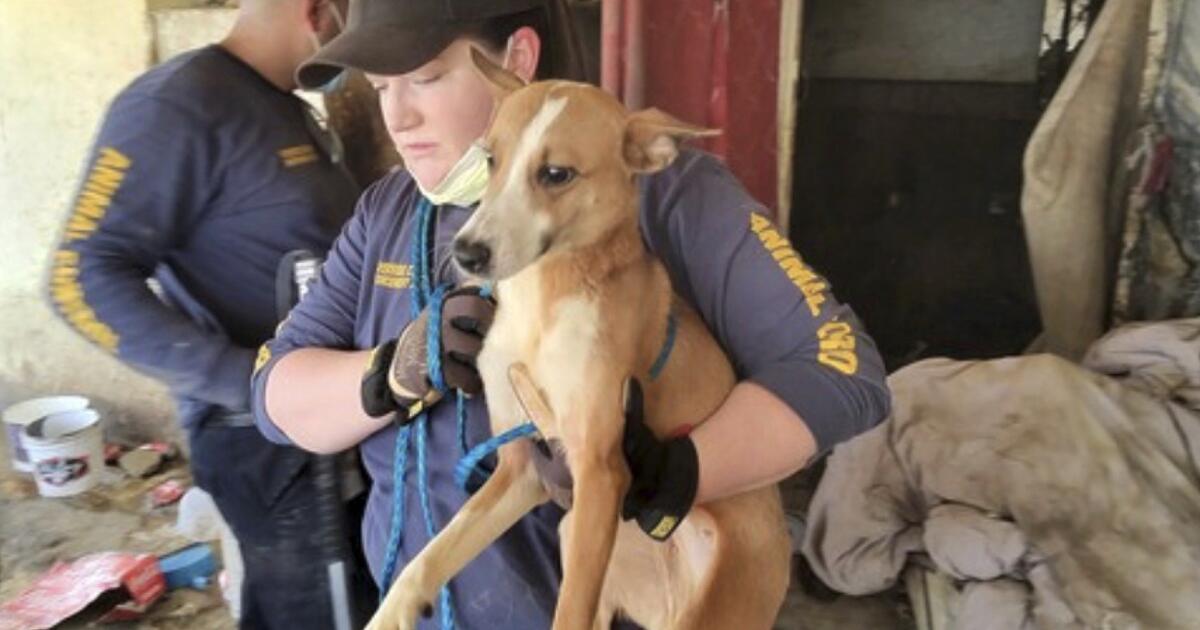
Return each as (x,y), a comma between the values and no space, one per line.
(146,183)
(775,317)
(324,318)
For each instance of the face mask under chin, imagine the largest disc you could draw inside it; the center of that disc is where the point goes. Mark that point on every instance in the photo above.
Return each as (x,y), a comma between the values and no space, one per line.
(465,182)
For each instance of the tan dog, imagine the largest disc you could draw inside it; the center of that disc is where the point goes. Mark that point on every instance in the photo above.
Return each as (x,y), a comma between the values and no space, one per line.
(583,307)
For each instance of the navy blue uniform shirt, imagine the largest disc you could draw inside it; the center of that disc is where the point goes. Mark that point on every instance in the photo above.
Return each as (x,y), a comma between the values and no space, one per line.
(203,175)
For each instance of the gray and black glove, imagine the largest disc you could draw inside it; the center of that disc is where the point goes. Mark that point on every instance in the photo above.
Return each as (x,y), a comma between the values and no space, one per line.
(397,378)
(665,473)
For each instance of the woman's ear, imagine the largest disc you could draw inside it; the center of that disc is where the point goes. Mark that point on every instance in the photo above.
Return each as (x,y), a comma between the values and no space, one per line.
(501,82)
(523,53)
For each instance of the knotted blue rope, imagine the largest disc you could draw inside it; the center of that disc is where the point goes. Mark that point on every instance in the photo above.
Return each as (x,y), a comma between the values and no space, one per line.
(470,462)
(422,296)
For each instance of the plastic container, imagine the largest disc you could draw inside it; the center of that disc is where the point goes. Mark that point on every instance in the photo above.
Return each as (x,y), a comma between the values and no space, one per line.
(66,450)
(193,566)
(20,415)
(200,520)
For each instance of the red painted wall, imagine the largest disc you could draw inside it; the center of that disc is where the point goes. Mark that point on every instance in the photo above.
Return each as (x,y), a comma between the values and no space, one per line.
(716,63)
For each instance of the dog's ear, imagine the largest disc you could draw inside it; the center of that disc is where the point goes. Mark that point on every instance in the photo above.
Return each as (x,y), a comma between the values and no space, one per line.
(501,81)
(652,139)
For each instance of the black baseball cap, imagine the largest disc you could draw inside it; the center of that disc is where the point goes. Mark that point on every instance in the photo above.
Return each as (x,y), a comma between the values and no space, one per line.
(399,36)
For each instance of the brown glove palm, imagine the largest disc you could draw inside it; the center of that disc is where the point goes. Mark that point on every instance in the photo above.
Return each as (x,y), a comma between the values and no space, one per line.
(398,377)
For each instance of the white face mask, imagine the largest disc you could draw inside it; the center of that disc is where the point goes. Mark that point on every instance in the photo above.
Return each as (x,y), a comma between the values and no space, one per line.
(337,82)
(467,180)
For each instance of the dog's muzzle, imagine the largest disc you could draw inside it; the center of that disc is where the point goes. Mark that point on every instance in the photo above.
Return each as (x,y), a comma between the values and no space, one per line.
(472,256)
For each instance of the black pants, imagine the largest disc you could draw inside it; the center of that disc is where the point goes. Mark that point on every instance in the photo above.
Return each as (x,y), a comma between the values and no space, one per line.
(266,494)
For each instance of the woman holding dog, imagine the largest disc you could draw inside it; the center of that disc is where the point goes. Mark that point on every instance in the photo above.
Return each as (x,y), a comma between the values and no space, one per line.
(351,359)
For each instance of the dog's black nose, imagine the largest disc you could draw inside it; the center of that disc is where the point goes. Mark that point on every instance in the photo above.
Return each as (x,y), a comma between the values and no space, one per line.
(472,256)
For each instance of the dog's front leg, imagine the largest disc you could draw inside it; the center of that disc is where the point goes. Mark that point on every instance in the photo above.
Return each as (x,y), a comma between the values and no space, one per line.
(511,492)
(601,478)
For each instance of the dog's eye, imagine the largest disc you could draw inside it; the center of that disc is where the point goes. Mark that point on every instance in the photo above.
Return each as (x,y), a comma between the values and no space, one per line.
(555,175)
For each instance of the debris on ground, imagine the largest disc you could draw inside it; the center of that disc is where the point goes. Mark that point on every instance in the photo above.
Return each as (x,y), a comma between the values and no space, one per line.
(118,514)
(102,586)
(167,492)
(141,462)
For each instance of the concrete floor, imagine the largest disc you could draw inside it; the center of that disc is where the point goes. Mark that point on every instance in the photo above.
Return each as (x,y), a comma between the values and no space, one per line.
(882,612)
(36,532)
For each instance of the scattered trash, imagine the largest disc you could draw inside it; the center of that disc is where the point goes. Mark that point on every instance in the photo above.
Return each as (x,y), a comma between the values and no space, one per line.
(113,452)
(113,586)
(200,520)
(141,462)
(66,450)
(166,449)
(198,517)
(130,495)
(192,566)
(147,459)
(166,493)
(18,416)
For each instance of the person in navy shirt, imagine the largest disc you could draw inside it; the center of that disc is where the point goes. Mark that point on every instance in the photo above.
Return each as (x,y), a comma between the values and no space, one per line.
(205,172)
(810,377)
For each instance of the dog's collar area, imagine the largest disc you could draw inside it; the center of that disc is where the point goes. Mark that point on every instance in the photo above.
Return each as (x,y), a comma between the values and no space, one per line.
(668,344)
(548,459)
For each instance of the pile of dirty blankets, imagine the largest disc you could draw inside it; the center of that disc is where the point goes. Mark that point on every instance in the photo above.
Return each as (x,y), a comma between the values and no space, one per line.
(1056,495)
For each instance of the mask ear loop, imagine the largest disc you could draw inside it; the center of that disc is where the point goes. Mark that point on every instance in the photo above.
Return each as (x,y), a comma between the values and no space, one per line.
(337,16)
(507,50)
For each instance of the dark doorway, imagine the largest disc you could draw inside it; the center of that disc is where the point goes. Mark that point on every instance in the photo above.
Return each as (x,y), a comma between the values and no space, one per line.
(906,191)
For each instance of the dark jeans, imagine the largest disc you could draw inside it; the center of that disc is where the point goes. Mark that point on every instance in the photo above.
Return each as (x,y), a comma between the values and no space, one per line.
(267,495)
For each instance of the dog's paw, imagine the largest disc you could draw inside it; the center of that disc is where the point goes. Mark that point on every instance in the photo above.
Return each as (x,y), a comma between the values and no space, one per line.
(404,605)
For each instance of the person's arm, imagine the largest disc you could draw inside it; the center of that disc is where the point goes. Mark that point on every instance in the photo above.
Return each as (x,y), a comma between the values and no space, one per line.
(734,435)
(809,376)
(146,181)
(312,397)
(307,379)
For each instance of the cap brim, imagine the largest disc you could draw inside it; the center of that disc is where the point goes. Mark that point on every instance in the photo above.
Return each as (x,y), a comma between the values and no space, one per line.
(378,49)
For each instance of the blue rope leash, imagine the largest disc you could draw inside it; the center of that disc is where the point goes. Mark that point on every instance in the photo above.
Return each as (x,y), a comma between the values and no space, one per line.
(433,339)
(668,344)
(470,462)
(447,617)
(400,458)
(421,297)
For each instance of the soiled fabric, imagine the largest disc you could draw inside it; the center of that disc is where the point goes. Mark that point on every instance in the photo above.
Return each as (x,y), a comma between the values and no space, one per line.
(995,605)
(1081,481)
(1073,171)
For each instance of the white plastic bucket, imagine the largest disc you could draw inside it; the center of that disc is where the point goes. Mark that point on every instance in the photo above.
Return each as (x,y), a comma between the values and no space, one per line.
(66,450)
(25,412)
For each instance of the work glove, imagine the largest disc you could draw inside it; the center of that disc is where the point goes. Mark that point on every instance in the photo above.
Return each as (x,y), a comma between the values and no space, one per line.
(665,472)
(397,378)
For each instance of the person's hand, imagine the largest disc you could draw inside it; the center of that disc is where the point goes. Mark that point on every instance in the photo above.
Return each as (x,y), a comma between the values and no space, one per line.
(665,472)
(397,377)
